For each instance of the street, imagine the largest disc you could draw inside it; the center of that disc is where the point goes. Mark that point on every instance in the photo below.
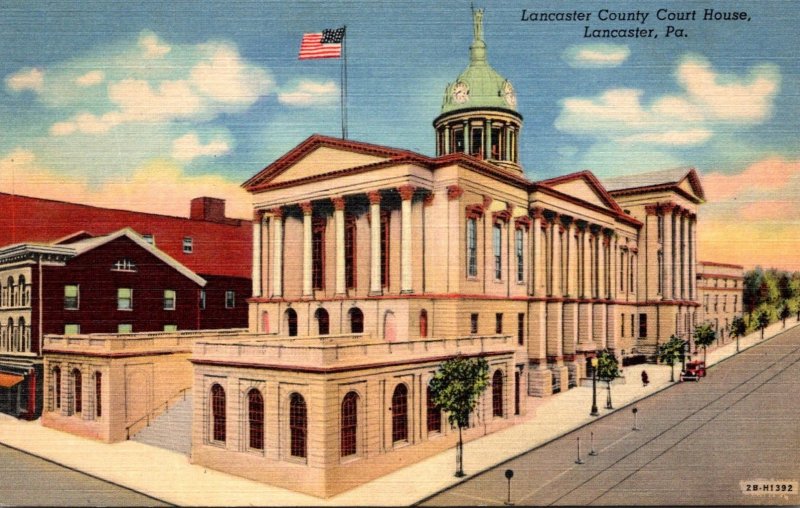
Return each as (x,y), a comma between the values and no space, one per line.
(26,480)
(700,444)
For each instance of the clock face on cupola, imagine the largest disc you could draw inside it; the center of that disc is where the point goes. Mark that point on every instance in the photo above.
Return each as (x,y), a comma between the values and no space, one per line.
(479,112)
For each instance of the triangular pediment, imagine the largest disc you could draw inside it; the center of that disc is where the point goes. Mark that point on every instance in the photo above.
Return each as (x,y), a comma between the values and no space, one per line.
(691,185)
(585,187)
(582,190)
(320,155)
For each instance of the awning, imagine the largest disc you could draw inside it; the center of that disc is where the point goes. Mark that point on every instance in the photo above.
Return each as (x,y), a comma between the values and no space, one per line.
(9,380)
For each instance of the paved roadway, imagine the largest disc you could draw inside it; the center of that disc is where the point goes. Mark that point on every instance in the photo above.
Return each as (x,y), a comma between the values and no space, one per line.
(697,442)
(26,480)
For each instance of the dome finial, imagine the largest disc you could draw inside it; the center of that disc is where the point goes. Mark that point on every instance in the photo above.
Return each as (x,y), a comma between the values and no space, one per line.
(477,20)
(478,47)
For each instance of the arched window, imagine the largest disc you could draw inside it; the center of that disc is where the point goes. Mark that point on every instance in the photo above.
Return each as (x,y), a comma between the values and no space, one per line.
(349,424)
(400,413)
(497,393)
(434,414)
(98,385)
(255,419)
(423,323)
(10,334)
(291,322)
(77,383)
(57,387)
(218,413)
(22,300)
(356,320)
(298,425)
(323,321)
(10,292)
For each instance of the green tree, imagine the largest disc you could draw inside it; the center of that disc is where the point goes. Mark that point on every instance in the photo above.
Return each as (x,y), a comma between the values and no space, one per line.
(704,336)
(607,370)
(737,329)
(670,352)
(752,285)
(455,388)
(784,313)
(794,306)
(762,320)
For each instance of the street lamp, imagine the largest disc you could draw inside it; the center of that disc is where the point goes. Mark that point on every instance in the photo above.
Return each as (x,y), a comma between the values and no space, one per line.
(594,412)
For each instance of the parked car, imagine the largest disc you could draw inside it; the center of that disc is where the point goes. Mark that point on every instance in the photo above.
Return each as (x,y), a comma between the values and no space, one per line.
(694,371)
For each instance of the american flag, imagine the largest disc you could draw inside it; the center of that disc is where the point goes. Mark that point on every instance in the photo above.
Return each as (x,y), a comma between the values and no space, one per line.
(327,44)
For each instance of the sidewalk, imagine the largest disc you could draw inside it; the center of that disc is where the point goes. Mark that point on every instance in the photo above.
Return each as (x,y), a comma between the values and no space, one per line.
(168,476)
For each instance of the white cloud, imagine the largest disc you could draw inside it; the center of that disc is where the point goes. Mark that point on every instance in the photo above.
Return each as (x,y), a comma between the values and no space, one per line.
(87,123)
(189,147)
(139,101)
(90,78)
(596,55)
(225,78)
(310,93)
(26,79)
(681,120)
(726,97)
(152,46)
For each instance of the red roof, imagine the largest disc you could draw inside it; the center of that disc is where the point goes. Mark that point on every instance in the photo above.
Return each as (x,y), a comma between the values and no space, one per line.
(218,247)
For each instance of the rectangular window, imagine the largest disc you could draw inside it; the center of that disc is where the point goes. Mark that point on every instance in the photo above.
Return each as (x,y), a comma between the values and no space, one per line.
(476,145)
(170,328)
(124,328)
(169,299)
(124,298)
(230,299)
(633,323)
(735,301)
(642,325)
(71,297)
(472,248)
(72,329)
(350,252)
(622,272)
(473,323)
(622,328)
(385,250)
(149,238)
(188,246)
(318,254)
(458,140)
(202,301)
(498,323)
(520,257)
(497,247)
(716,302)
(498,150)
(725,303)
(705,303)
(521,328)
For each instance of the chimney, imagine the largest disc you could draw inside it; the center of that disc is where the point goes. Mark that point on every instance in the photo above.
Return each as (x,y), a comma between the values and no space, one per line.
(208,209)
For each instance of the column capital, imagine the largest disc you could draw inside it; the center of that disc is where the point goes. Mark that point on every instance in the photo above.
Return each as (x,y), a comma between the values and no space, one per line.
(277,212)
(566,220)
(428,199)
(523,222)
(551,217)
(651,209)
(338,203)
(258,215)
(374,197)
(454,192)
(595,229)
(306,207)
(536,212)
(693,216)
(608,232)
(503,215)
(406,192)
(668,207)
(581,224)
(685,212)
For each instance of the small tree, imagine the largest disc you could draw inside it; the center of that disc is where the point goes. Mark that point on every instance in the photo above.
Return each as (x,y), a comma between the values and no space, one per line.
(794,306)
(762,321)
(670,352)
(607,370)
(737,329)
(455,388)
(704,336)
(784,313)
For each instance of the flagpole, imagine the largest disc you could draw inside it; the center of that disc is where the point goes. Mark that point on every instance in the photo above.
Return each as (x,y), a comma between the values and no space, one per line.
(343,91)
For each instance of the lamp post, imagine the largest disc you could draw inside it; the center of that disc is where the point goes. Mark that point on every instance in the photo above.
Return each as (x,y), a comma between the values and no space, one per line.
(509,476)
(594,412)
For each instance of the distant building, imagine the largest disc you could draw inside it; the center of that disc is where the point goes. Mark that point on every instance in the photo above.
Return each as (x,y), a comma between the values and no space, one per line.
(57,276)
(720,287)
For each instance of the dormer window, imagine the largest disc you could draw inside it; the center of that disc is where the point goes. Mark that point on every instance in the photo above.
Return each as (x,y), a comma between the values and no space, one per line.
(188,246)
(124,265)
(149,238)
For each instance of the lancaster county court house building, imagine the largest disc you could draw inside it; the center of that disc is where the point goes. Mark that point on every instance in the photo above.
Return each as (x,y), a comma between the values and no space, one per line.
(720,288)
(372,265)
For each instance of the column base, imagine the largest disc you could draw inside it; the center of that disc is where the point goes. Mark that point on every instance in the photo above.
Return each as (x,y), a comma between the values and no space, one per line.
(540,382)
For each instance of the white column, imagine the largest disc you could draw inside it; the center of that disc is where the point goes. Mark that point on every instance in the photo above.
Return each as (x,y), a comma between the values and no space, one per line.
(375,242)
(667,250)
(555,259)
(685,293)
(338,219)
(277,256)
(602,291)
(406,194)
(257,246)
(692,257)
(613,277)
(307,254)
(537,265)
(586,269)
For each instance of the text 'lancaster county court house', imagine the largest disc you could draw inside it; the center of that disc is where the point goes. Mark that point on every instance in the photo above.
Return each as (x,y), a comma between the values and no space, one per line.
(372,265)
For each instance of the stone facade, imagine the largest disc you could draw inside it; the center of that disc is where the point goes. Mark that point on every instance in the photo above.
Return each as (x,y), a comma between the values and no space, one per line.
(720,290)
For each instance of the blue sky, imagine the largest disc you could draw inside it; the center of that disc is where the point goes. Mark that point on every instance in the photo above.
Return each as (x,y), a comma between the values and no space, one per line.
(114,100)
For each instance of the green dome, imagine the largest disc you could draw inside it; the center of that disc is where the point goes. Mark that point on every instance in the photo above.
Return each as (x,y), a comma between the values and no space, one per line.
(479,86)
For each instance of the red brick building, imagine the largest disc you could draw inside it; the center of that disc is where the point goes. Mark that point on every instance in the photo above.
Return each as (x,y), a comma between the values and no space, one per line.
(70,268)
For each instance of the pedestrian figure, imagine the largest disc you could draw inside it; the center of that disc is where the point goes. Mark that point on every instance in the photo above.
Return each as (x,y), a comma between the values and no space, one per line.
(645,379)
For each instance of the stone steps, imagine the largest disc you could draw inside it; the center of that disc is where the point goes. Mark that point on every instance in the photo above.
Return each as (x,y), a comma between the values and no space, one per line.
(171,430)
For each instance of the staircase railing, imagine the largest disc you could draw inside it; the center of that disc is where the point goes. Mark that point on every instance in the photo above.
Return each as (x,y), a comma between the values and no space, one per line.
(153,413)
